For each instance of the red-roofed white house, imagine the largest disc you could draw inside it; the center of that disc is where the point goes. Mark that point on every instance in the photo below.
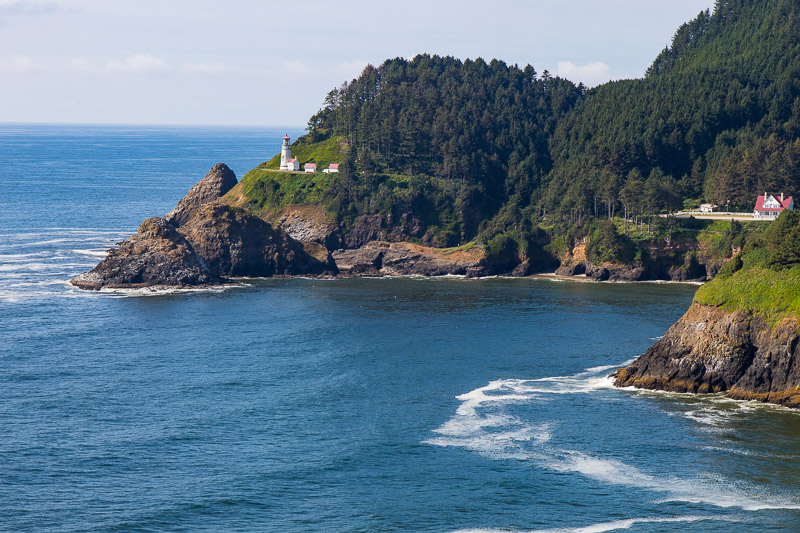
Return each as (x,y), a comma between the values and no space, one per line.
(310,168)
(294,165)
(333,167)
(769,206)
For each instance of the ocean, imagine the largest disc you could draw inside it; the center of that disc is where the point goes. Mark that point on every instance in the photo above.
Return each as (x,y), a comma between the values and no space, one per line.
(345,405)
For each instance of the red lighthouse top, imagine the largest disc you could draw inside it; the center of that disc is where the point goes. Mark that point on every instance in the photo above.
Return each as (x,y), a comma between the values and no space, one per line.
(286,138)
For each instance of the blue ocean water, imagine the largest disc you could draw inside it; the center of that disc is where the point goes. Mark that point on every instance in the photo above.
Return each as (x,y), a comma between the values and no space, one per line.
(339,405)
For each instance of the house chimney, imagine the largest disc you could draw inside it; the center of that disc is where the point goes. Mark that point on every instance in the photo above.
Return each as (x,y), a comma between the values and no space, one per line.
(781,197)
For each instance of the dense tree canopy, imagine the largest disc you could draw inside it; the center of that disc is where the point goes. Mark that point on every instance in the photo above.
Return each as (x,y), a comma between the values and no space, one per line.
(480,149)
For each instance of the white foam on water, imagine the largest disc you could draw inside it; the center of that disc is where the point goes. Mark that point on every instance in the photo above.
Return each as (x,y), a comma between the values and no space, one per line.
(101,253)
(46,232)
(588,381)
(748,453)
(16,258)
(40,283)
(715,408)
(34,266)
(158,291)
(615,525)
(666,282)
(50,241)
(712,418)
(482,425)
(552,280)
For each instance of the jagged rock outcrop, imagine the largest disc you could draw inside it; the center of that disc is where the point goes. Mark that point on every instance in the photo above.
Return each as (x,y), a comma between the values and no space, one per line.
(309,224)
(614,272)
(576,269)
(158,255)
(213,241)
(404,259)
(379,228)
(234,243)
(605,272)
(219,180)
(712,350)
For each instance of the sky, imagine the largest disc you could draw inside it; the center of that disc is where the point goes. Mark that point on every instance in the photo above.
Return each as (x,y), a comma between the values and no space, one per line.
(265,62)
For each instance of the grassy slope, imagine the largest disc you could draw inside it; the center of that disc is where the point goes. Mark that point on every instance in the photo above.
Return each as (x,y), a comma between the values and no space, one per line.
(322,153)
(265,190)
(262,190)
(775,295)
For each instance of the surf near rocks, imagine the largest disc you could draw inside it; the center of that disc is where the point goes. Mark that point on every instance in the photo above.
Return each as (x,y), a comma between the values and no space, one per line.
(711,350)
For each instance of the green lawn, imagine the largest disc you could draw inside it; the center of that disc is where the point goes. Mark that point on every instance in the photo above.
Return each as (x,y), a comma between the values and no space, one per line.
(322,153)
(270,189)
(773,295)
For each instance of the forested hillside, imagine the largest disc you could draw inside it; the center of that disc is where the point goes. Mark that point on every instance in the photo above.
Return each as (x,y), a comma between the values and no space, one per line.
(716,117)
(450,151)
(449,141)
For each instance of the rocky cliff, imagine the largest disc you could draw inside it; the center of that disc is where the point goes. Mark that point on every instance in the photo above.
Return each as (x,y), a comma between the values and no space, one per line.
(203,241)
(713,350)
(158,255)
(234,243)
(219,180)
(405,259)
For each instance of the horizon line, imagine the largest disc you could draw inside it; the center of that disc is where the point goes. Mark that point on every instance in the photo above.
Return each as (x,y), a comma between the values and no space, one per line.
(145,124)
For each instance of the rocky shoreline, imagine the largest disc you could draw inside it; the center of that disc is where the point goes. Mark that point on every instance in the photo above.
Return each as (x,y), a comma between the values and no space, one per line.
(710,350)
(206,241)
(212,236)
(203,241)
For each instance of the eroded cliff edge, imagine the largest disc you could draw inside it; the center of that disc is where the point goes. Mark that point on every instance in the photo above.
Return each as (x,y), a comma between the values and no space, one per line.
(712,350)
(203,241)
(740,336)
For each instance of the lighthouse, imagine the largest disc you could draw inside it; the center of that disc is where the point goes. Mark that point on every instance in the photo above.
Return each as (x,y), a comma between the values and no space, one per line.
(286,153)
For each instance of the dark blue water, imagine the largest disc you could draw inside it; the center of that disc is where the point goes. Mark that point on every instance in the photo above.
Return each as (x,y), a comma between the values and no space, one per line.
(346,405)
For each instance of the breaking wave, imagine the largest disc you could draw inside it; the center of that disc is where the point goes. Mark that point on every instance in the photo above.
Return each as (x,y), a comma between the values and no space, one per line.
(483,423)
(36,265)
(612,526)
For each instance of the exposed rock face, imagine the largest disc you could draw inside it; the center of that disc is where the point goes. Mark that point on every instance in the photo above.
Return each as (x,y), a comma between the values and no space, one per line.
(366,261)
(213,241)
(157,255)
(711,350)
(234,243)
(403,259)
(306,224)
(605,272)
(571,270)
(613,272)
(219,180)
(374,228)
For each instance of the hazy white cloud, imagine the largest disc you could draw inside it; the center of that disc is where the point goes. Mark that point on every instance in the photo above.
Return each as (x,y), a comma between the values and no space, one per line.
(91,40)
(139,64)
(296,68)
(26,7)
(351,69)
(590,75)
(79,64)
(19,64)
(208,68)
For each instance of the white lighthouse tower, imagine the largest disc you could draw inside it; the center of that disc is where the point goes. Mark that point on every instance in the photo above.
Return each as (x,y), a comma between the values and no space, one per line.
(286,153)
